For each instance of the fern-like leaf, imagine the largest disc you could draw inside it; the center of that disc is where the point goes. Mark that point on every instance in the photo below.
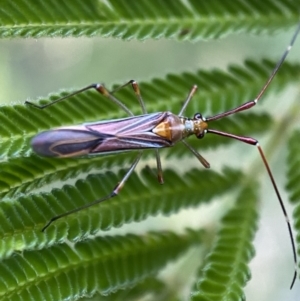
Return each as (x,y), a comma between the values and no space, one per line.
(293,176)
(143,19)
(225,271)
(150,286)
(27,215)
(101,265)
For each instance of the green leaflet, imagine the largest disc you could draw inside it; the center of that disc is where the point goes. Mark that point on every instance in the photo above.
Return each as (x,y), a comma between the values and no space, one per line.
(152,286)
(293,161)
(293,178)
(103,265)
(225,271)
(143,19)
(142,198)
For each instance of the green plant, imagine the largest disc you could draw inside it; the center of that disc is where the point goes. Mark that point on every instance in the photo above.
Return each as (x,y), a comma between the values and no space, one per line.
(45,266)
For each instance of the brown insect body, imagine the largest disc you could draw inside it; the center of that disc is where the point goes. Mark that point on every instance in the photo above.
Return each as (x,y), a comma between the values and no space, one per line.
(157,130)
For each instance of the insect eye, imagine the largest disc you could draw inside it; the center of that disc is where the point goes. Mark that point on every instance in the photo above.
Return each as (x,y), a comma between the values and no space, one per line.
(198,116)
(201,135)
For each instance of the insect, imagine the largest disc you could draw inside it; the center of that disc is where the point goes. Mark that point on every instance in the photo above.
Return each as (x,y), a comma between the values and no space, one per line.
(146,131)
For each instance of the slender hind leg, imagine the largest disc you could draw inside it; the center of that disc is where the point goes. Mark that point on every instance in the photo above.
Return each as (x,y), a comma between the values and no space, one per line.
(112,194)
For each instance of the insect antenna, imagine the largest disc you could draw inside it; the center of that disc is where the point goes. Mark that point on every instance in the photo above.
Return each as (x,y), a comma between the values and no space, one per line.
(252,141)
(252,103)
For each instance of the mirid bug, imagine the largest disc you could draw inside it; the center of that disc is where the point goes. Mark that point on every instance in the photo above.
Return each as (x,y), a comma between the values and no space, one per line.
(147,131)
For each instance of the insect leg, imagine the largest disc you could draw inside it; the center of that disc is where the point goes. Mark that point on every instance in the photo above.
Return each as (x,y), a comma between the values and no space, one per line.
(189,97)
(114,193)
(98,87)
(137,92)
(159,168)
(198,156)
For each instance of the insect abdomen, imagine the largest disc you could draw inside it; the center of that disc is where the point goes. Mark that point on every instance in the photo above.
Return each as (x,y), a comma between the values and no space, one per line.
(64,143)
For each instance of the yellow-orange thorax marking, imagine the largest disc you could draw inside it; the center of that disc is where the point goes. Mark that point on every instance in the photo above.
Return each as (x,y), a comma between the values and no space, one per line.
(163,129)
(170,128)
